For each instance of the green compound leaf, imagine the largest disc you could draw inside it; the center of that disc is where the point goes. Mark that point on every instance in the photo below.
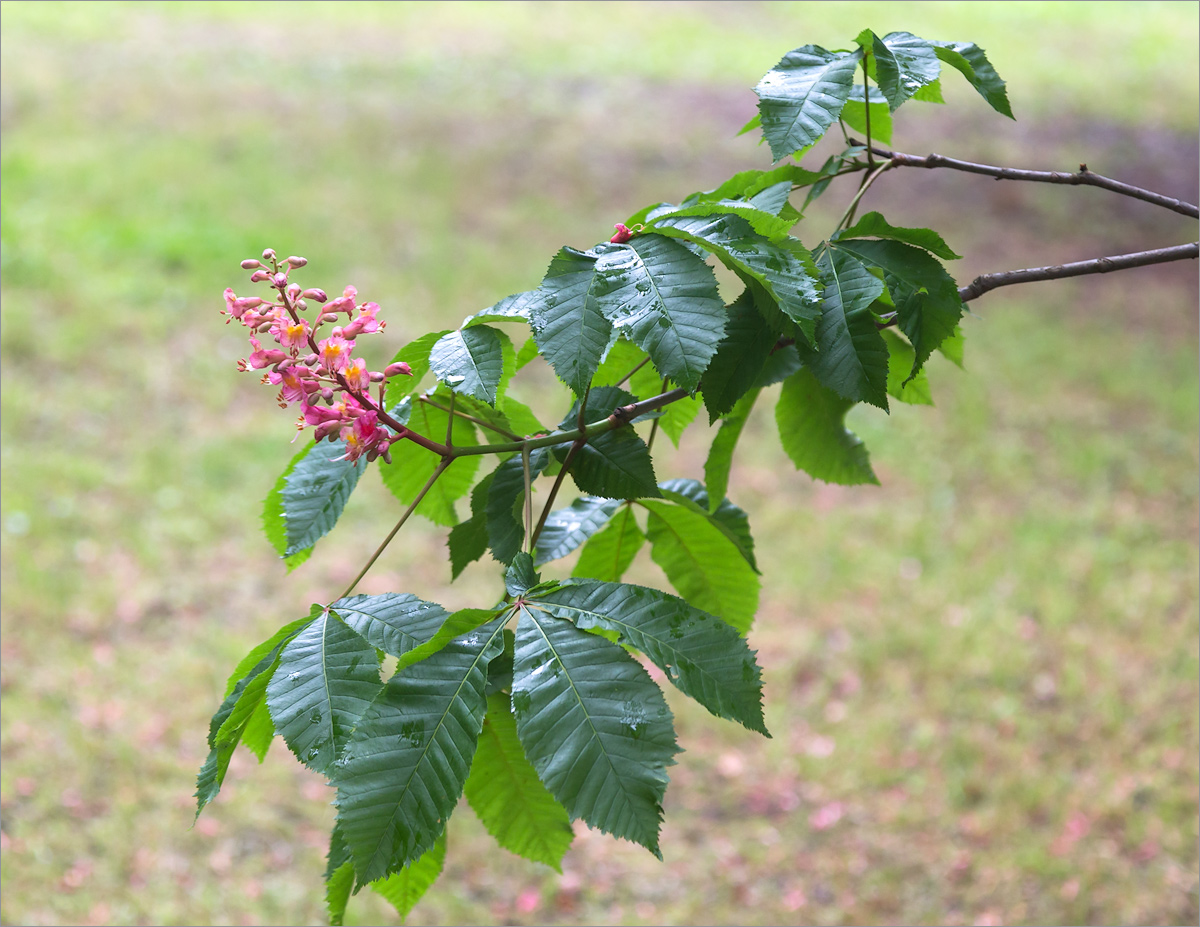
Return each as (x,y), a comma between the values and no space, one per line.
(459,624)
(571,330)
(405,888)
(506,794)
(702,563)
(615,465)
(666,298)
(971,61)
(929,306)
(327,677)
(801,97)
(470,361)
(813,433)
(394,622)
(733,521)
(308,498)
(274,643)
(854,114)
(784,268)
(720,454)
(609,552)
(903,65)
(853,357)
(748,342)
(594,725)
(874,225)
(567,528)
(914,391)
(404,768)
(505,503)
(701,655)
(413,465)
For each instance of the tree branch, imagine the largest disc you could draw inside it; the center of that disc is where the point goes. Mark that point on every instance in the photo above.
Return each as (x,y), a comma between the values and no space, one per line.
(1083,177)
(982,284)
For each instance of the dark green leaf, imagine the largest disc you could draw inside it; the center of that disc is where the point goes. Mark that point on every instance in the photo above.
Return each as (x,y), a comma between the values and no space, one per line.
(703,565)
(403,770)
(930,310)
(594,725)
(666,299)
(567,528)
(702,656)
(413,465)
(782,363)
(900,360)
(571,331)
(615,465)
(764,221)
(308,498)
(339,879)
(458,625)
(513,308)
(468,540)
(607,555)
(470,361)
(504,790)
(720,454)
(971,61)
(854,114)
(813,433)
(520,576)
(740,356)
(394,622)
(874,225)
(733,521)
(801,97)
(405,888)
(784,268)
(903,65)
(327,676)
(416,355)
(505,503)
(853,357)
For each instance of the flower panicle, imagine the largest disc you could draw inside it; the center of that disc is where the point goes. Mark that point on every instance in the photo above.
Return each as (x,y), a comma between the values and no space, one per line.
(332,387)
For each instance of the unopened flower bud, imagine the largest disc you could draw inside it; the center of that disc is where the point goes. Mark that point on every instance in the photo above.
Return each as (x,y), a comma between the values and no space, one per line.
(259,276)
(297,261)
(315,294)
(327,394)
(279,280)
(310,359)
(328,317)
(376,376)
(250,264)
(269,254)
(397,369)
(327,430)
(293,290)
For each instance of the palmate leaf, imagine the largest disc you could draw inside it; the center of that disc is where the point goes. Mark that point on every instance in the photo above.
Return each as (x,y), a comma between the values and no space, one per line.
(701,655)
(969,59)
(326,678)
(801,97)
(308,498)
(720,455)
(733,521)
(506,794)
(394,622)
(413,465)
(930,308)
(784,268)
(852,358)
(813,433)
(702,563)
(565,529)
(615,465)
(609,552)
(666,298)
(571,331)
(471,361)
(594,725)
(405,888)
(875,225)
(405,764)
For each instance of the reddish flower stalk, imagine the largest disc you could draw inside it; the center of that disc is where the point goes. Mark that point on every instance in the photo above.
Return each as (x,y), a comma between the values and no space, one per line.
(330,384)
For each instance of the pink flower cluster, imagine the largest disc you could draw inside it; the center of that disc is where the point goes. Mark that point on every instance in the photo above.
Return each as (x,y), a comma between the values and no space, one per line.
(332,387)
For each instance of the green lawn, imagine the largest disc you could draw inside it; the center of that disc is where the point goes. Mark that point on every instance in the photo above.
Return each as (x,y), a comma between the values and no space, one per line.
(981,677)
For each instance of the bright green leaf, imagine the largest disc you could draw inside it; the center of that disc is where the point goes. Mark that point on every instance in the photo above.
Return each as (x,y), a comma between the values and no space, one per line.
(609,552)
(813,433)
(405,888)
(873,224)
(416,355)
(720,454)
(413,465)
(971,61)
(900,360)
(801,97)
(854,114)
(732,521)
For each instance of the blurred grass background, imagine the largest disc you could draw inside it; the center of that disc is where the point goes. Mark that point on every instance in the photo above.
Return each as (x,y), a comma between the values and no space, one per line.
(981,677)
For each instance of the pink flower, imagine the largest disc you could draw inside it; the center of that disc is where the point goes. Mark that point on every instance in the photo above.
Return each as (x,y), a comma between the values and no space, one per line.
(623,234)
(366,323)
(400,368)
(290,333)
(335,353)
(295,382)
(362,436)
(344,303)
(319,415)
(261,358)
(356,374)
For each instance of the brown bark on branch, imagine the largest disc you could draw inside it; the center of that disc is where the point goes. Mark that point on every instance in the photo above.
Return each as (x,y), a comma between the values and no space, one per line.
(1083,177)
(982,284)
